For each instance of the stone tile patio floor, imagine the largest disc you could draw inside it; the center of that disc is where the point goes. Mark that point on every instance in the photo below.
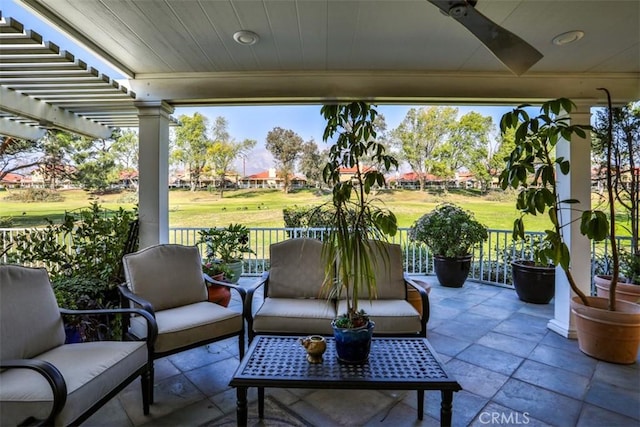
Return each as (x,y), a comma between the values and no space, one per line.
(513,370)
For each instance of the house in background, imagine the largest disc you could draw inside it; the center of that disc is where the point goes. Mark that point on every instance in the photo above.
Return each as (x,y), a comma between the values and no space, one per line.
(12,180)
(270,179)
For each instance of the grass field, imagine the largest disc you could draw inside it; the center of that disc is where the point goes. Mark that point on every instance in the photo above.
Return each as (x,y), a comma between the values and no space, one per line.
(263,208)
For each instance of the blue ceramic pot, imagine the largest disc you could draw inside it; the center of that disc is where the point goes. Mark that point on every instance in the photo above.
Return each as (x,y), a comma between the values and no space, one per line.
(72,334)
(353,345)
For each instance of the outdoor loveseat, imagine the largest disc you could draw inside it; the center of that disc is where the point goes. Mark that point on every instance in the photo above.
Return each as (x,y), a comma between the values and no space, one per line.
(292,302)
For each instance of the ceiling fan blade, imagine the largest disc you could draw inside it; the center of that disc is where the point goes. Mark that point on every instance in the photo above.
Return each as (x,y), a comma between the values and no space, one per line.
(510,49)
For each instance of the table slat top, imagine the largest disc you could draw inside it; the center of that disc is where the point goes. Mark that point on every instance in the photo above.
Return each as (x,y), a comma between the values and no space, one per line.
(405,361)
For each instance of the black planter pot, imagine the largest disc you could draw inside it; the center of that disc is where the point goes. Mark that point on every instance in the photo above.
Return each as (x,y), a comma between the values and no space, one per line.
(452,272)
(533,284)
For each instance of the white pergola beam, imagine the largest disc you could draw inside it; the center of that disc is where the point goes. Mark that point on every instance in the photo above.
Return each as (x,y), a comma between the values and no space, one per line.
(25,106)
(19,130)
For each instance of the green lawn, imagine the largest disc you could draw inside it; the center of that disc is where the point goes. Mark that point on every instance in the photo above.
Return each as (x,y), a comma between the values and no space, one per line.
(263,208)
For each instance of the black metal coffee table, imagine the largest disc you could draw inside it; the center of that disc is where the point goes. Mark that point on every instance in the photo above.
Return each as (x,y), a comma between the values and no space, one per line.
(394,364)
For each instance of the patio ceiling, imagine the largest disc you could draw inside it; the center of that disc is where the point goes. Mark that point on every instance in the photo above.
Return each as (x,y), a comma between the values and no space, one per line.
(44,87)
(312,51)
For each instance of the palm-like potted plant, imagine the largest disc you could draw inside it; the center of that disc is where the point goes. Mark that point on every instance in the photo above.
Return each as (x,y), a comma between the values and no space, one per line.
(606,330)
(356,220)
(450,232)
(227,246)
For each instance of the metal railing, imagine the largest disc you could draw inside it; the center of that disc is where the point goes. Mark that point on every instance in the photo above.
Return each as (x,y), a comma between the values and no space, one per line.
(491,260)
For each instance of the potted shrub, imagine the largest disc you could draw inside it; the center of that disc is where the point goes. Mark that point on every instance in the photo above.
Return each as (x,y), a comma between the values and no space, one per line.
(625,163)
(355,220)
(606,330)
(450,232)
(228,246)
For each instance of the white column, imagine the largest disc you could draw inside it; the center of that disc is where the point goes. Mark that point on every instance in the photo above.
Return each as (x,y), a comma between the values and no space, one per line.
(575,185)
(153,169)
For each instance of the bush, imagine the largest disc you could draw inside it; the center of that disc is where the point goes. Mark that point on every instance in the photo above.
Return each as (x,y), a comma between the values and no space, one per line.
(76,292)
(32,195)
(449,231)
(87,247)
(6,222)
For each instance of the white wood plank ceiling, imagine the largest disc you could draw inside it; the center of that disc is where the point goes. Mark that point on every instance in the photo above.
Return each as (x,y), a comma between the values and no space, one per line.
(312,51)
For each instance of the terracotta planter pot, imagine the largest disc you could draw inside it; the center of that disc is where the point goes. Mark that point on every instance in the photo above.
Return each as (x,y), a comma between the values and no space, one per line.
(533,283)
(219,294)
(452,272)
(612,336)
(624,291)
(414,297)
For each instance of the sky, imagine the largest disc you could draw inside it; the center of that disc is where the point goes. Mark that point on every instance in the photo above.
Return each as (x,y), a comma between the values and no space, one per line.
(245,122)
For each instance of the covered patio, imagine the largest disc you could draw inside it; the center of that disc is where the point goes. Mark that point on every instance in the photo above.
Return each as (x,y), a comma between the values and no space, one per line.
(178,53)
(513,370)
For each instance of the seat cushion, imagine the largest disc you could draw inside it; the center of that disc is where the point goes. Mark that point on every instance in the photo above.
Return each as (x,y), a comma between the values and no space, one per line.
(167,276)
(391,316)
(294,316)
(90,371)
(182,326)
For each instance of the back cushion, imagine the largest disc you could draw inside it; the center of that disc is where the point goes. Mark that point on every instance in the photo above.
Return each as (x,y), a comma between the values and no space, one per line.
(388,271)
(30,321)
(167,276)
(297,270)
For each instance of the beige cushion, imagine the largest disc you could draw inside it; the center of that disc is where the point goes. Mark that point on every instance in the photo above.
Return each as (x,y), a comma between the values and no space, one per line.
(182,326)
(391,316)
(388,270)
(90,371)
(297,270)
(29,314)
(167,276)
(294,316)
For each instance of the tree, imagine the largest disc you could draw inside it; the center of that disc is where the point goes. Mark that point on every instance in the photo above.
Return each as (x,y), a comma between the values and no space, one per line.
(467,146)
(125,149)
(56,163)
(500,154)
(224,150)
(95,166)
(286,146)
(420,133)
(191,145)
(19,154)
(311,162)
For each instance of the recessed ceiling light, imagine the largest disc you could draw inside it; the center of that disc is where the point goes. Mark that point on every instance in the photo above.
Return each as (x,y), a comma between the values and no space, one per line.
(568,37)
(245,37)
